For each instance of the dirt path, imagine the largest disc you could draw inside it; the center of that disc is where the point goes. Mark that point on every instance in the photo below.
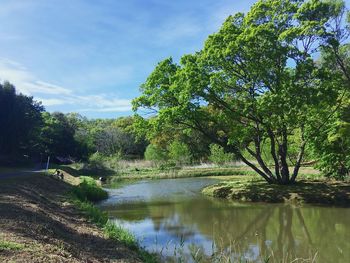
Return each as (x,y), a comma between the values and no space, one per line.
(9,175)
(44,228)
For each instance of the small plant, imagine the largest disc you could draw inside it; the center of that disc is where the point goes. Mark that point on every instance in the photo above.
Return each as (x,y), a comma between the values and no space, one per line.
(89,190)
(96,161)
(155,154)
(116,232)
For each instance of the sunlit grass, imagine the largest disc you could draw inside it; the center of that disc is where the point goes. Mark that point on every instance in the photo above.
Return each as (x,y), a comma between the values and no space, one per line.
(7,245)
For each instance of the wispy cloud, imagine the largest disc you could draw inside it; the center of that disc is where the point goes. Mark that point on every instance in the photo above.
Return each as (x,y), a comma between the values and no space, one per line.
(25,81)
(53,95)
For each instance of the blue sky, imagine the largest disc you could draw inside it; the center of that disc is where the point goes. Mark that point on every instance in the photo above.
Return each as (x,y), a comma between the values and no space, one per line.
(91,56)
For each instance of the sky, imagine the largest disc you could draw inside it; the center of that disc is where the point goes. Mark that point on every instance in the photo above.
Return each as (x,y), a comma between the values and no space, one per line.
(90,56)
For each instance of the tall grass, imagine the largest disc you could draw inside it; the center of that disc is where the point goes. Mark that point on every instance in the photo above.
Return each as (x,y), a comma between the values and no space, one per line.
(233,253)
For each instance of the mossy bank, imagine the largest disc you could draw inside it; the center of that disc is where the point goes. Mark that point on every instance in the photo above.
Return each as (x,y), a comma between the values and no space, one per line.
(334,193)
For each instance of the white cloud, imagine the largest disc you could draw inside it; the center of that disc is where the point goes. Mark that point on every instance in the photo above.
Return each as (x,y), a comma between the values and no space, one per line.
(53,95)
(25,81)
(51,102)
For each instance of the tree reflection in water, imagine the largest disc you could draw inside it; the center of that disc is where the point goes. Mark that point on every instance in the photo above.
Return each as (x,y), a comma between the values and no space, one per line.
(202,227)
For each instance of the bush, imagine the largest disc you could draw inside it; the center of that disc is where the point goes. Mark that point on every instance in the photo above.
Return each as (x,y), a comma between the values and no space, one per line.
(112,161)
(218,155)
(96,161)
(88,190)
(156,154)
(179,153)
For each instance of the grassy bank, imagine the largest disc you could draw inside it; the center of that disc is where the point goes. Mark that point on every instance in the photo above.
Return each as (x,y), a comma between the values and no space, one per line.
(87,192)
(306,191)
(137,172)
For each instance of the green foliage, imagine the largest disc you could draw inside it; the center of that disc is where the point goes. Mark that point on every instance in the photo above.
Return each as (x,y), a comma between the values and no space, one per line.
(331,145)
(28,130)
(89,190)
(218,155)
(97,161)
(58,135)
(20,117)
(155,153)
(179,153)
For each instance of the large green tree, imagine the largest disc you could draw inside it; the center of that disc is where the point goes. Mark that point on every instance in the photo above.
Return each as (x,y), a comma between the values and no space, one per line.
(20,119)
(254,83)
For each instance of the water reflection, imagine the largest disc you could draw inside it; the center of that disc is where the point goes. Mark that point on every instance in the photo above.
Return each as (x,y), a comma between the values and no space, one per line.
(193,225)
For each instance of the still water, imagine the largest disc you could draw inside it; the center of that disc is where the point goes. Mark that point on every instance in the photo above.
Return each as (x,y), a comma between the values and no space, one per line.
(173,218)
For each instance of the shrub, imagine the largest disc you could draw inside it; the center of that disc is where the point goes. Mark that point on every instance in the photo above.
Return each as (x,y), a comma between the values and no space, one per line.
(179,153)
(218,155)
(89,190)
(112,161)
(97,160)
(156,154)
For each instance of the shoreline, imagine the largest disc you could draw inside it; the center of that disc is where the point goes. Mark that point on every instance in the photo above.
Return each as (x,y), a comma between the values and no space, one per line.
(312,192)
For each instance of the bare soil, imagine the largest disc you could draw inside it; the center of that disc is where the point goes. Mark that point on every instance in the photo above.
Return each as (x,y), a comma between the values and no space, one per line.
(34,214)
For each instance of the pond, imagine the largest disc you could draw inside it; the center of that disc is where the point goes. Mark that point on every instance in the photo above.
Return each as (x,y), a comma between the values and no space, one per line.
(172,217)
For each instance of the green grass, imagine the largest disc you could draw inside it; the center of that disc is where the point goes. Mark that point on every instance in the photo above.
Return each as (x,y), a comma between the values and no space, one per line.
(89,190)
(7,245)
(118,233)
(94,214)
(180,173)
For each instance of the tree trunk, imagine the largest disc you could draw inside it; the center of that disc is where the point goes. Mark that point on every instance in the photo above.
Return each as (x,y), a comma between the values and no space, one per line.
(282,152)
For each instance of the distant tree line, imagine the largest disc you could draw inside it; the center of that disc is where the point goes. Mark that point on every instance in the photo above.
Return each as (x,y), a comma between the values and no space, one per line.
(28,133)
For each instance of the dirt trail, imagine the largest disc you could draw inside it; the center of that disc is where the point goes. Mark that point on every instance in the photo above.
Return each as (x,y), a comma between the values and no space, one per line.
(33,213)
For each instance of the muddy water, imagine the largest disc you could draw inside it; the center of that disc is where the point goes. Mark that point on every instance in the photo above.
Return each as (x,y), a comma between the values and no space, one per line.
(174,219)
